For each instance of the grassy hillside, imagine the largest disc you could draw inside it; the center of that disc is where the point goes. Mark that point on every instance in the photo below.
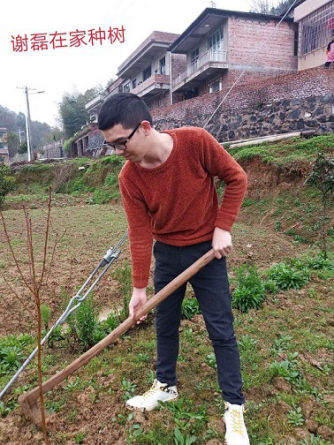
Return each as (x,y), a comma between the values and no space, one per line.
(282,296)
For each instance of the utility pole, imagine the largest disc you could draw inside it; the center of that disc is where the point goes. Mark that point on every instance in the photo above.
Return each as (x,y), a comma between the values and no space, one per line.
(28,119)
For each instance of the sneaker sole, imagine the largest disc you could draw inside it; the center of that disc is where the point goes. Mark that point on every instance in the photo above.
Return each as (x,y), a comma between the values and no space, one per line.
(143,409)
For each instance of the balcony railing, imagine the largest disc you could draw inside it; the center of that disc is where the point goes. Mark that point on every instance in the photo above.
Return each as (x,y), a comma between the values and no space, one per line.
(156,81)
(207,58)
(98,99)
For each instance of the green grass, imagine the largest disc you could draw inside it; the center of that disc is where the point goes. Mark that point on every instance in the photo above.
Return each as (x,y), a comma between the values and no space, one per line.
(296,151)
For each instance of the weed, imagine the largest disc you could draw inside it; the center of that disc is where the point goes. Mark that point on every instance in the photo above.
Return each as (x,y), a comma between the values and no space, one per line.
(183,409)
(123,275)
(179,439)
(4,410)
(189,335)
(55,336)
(280,345)
(135,431)
(84,324)
(278,226)
(10,358)
(79,438)
(287,368)
(129,389)
(286,277)
(296,417)
(54,406)
(250,290)
(45,314)
(142,357)
(150,376)
(246,343)
(190,307)
(314,440)
(111,323)
(211,360)
(76,385)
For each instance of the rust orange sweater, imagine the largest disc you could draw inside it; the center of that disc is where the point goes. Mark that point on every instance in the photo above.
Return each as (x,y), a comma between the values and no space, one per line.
(176,203)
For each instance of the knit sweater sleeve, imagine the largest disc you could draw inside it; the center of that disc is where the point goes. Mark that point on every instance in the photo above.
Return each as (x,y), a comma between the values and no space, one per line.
(139,230)
(218,162)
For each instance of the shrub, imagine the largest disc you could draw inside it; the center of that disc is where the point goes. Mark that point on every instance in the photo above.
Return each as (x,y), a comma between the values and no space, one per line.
(45,314)
(250,291)
(123,275)
(6,182)
(84,324)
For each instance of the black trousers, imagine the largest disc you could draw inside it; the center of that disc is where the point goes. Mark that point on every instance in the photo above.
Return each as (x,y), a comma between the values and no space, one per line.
(212,292)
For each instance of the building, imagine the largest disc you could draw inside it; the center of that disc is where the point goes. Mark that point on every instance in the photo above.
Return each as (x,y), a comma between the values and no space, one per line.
(4,155)
(220,44)
(315,19)
(148,71)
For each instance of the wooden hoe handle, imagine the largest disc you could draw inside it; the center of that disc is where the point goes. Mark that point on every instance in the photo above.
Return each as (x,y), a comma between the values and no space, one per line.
(28,400)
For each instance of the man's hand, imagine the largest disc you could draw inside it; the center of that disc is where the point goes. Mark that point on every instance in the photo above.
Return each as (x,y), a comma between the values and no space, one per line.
(137,301)
(221,242)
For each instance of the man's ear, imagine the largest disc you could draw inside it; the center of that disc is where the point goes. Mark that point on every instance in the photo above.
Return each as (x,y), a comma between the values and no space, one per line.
(146,127)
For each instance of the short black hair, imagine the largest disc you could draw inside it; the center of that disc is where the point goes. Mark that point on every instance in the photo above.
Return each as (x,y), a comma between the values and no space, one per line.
(126,109)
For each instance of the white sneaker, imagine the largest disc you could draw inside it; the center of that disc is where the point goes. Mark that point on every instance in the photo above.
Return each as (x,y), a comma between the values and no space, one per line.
(236,432)
(150,399)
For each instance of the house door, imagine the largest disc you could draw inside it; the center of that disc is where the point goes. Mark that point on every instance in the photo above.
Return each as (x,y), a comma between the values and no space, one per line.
(215,44)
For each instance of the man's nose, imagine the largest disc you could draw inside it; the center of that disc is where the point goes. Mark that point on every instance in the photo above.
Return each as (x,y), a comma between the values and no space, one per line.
(119,152)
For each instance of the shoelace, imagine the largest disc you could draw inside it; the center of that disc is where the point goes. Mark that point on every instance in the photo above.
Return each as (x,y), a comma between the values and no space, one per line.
(152,390)
(237,422)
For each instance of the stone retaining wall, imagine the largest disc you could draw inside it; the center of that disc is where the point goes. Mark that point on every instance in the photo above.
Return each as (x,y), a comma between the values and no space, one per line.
(281,104)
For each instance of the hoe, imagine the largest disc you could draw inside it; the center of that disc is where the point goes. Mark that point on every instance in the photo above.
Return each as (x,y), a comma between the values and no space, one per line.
(29,400)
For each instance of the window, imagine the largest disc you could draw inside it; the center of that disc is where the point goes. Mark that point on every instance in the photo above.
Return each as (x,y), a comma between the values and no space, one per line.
(120,89)
(147,73)
(162,65)
(315,29)
(127,88)
(215,41)
(134,83)
(295,46)
(215,86)
(194,56)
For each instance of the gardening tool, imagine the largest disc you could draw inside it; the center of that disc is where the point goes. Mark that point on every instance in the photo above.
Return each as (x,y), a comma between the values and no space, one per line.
(109,258)
(28,400)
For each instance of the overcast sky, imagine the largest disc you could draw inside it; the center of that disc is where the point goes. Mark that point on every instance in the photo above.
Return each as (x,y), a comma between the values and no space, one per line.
(64,69)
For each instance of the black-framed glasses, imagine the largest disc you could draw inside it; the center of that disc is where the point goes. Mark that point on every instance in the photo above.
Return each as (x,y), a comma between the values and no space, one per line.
(120,145)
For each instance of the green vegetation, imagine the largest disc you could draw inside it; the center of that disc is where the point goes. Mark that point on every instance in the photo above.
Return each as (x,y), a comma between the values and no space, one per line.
(322,177)
(250,290)
(6,182)
(296,152)
(280,280)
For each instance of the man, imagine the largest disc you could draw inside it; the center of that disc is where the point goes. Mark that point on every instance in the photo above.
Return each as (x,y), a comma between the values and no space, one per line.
(169,195)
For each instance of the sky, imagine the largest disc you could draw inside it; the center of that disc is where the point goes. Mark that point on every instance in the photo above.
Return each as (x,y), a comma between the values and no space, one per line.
(63,69)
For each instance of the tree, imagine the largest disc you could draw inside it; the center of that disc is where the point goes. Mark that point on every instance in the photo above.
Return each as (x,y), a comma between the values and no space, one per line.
(278,7)
(56,135)
(6,182)
(13,144)
(261,6)
(72,110)
(281,7)
(23,148)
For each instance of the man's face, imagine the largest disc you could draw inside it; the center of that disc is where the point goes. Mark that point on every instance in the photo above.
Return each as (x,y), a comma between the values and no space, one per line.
(129,143)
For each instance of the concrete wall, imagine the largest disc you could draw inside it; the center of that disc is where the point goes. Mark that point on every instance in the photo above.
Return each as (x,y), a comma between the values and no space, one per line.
(308,7)
(317,56)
